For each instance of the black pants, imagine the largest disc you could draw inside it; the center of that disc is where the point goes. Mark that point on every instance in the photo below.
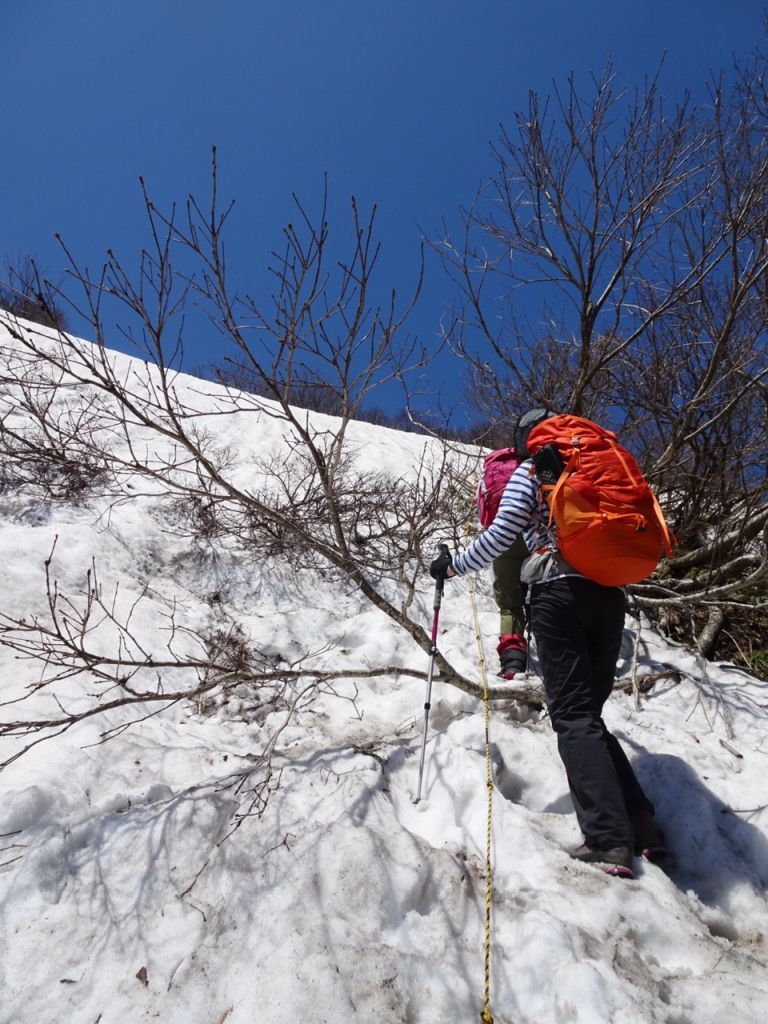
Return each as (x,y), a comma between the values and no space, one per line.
(578,628)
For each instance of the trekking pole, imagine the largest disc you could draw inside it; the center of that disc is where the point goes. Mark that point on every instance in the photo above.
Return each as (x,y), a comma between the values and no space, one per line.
(439,584)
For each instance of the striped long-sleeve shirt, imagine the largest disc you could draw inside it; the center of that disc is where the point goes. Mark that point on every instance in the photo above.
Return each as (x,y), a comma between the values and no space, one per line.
(521,510)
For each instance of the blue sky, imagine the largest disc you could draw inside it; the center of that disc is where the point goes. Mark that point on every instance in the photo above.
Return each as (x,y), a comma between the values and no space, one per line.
(396,101)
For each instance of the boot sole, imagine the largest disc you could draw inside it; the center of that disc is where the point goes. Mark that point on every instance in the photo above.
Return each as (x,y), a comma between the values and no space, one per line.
(617,870)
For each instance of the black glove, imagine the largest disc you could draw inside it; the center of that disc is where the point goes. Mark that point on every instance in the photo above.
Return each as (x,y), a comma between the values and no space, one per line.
(549,464)
(439,568)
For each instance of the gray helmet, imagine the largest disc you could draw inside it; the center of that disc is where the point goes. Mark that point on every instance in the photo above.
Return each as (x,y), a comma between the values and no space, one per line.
(525,424)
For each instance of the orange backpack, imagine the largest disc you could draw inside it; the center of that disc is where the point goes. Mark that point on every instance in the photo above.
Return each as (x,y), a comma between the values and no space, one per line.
(610,527)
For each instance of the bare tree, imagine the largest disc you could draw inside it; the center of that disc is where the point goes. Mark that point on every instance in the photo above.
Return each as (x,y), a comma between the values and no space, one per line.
(47,430)
(67,402)
(615,267)
(23,293)
(135,677)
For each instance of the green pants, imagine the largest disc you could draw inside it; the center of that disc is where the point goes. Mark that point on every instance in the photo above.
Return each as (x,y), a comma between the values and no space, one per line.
(508,590)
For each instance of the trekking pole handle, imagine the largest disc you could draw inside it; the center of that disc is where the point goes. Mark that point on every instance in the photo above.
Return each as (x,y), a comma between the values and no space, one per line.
(440,581)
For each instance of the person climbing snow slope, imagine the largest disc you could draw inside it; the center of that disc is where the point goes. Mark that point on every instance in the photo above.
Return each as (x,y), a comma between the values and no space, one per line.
(512,648)
(578,625)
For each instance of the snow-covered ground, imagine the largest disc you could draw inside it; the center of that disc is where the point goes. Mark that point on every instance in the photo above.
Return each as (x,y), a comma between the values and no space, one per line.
(125,896)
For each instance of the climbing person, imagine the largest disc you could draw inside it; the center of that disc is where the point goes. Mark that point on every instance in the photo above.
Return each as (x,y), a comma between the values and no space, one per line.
(512,647)
(577,624)
(508,591)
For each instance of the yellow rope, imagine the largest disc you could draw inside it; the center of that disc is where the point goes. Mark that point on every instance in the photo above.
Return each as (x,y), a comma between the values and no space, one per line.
(485,1015)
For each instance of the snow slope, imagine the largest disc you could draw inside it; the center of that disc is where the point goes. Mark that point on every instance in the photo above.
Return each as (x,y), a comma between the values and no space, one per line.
(122,901)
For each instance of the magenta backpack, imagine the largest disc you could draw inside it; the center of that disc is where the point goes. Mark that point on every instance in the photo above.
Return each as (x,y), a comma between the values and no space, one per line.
(499,467)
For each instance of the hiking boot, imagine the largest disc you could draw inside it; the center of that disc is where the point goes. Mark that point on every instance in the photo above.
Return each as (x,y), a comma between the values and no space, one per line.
(617,860)
(649,839)
(513,655)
